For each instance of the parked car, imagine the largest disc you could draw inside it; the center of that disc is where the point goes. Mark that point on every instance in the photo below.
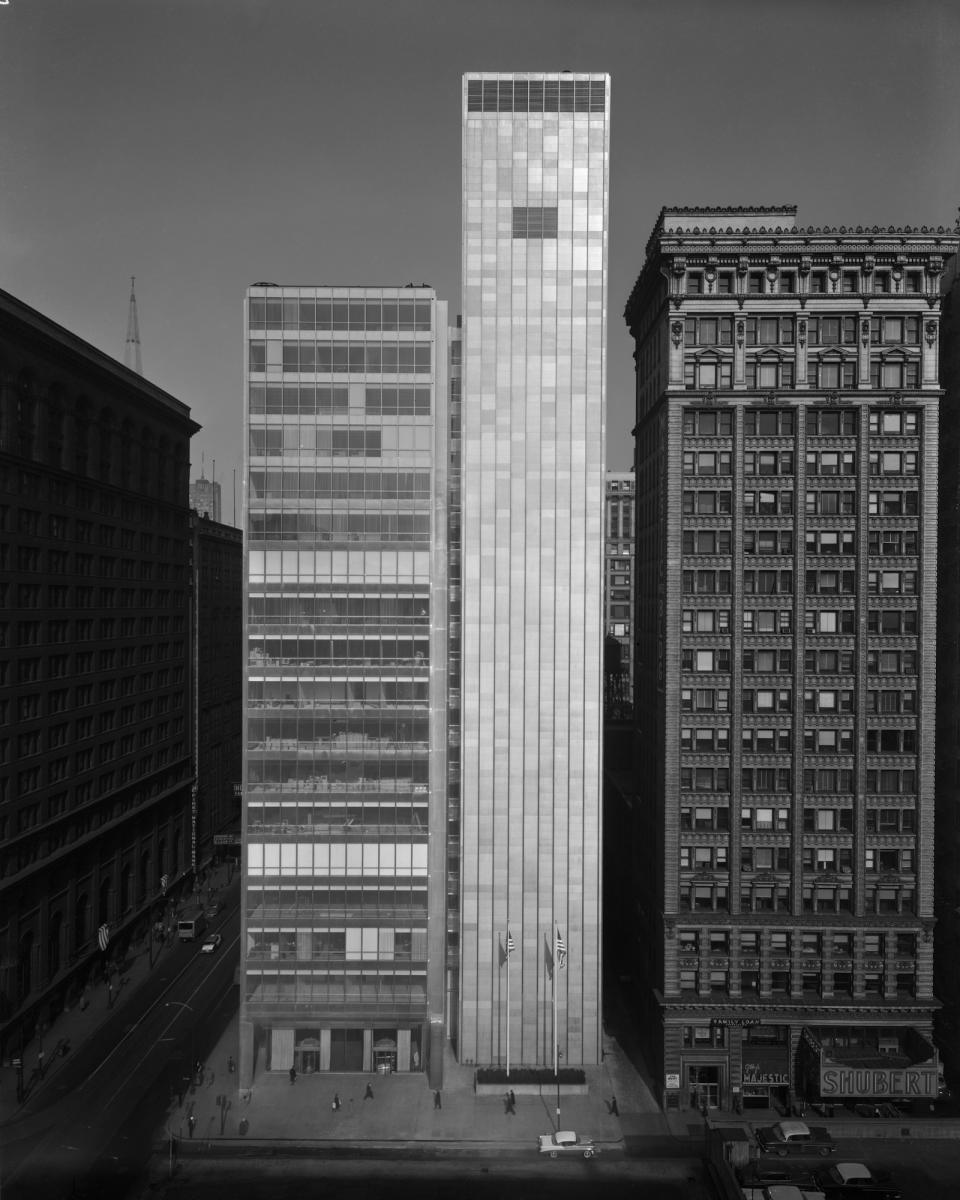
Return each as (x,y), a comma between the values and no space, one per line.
(758,1175)
(843,1179)
(211,943)
(565,1141)
(213,909)
(794,1137)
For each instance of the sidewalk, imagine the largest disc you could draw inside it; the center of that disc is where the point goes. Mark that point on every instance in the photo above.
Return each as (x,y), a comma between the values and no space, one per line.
(402,1109)
(73,1028)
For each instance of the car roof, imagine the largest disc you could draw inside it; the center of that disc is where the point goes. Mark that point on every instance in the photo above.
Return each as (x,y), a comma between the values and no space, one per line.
(784,1191)
(852,1170)
(565,1135)
(793,1127)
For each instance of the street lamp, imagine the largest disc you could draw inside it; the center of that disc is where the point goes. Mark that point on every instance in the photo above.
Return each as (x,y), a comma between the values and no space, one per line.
(183,1004)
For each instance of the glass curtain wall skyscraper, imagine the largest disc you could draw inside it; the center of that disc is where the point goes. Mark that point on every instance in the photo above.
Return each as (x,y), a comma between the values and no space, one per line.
(535,202)
(345,707)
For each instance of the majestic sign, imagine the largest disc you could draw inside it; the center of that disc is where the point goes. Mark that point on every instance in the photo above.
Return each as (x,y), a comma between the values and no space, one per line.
(673,1082)
(919,1080)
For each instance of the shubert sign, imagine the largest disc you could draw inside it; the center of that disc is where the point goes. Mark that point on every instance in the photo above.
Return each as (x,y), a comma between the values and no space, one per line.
(873,1082)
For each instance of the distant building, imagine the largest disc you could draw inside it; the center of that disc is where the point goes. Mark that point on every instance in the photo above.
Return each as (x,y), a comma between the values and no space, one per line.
(535,187)
(787,451)
(205,498)
(345,725)
(217,608)
(618,595)
(96,748)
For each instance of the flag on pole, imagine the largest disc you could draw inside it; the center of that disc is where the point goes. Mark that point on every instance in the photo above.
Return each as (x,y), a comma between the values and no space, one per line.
(509,942)
(561,951)
(103,936)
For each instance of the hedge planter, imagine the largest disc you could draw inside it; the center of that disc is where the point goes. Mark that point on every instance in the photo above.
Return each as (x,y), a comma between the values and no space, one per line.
(530,1081)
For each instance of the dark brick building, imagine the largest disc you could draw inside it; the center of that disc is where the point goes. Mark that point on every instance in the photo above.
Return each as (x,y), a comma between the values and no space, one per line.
(96,739)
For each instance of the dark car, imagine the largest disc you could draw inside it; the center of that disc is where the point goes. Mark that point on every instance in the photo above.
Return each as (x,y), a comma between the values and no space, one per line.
(859,1191)
(847,1180)
(758,1175)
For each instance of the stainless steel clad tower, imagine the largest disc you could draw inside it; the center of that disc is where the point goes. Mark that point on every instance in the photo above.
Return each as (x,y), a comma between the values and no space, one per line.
(535,201)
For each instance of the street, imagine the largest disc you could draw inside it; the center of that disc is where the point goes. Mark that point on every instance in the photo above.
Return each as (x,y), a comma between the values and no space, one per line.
(464,1179)
(98,1111)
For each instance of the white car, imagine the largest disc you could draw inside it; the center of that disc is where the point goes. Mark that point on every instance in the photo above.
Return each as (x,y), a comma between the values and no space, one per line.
(211,943)
(565,1141)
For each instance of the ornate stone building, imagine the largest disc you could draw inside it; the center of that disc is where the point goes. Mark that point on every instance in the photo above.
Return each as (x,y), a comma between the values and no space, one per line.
(787,450)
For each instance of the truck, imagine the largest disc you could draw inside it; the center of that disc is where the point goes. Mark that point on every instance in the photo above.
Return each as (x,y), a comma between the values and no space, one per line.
(191,924)
(794,1137)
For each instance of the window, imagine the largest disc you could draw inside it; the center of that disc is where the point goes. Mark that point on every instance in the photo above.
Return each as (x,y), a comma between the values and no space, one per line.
(768,541)
(707,462)
(770,331)
(766,740)
(765,661)
(768,503)
(828,741)
(829,620)
(768,583)
(892,583)
(708,331)
(765,820)
(769,422)
(536,222)
(895,373)
(831,462)
(832,373)
(830,541)
(704,699)
(894,421)
(831,583)
(705,819)
(893,462)
(766,700)
(768,371)
(707,503)
(832,331)
(893,503)
(706,620)
(706,541)
(767,620)
(828,700)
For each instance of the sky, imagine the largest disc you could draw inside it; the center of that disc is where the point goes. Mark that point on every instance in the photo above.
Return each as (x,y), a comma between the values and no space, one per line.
(203,145)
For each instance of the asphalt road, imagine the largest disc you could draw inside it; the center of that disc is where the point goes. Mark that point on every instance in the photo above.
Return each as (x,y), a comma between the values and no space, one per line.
(467,1179)
(99,1111)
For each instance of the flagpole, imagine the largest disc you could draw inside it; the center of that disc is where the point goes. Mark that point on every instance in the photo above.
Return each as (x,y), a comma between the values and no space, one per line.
(556,1035)
(508,999)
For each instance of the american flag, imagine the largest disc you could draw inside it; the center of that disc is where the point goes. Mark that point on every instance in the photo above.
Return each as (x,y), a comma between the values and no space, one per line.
(509,942)
(561,951)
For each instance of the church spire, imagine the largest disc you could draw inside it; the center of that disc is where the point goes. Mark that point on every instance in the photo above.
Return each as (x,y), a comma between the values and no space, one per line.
(131,352)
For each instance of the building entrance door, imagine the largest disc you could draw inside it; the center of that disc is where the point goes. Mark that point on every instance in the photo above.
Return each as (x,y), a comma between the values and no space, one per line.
(703,1087)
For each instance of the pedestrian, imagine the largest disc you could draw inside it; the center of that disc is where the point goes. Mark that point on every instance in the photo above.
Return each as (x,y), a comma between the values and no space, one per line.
(513,1102)
(614,1110)
(293,1074)
(191,1121)
(368,1094)
(508,1105)
(231,1065)
(336,1102)
(40,1063)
